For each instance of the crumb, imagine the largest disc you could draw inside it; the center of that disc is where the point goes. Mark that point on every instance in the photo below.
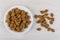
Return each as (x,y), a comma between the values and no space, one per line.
(38,29)
(51,14)
(51,22)
(46,10)
(52,30)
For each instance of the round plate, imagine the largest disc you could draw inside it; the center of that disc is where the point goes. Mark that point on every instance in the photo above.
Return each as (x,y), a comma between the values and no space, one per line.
(22,8)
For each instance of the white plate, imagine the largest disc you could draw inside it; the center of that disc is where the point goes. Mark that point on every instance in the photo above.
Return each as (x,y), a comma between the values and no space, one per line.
(22,8)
